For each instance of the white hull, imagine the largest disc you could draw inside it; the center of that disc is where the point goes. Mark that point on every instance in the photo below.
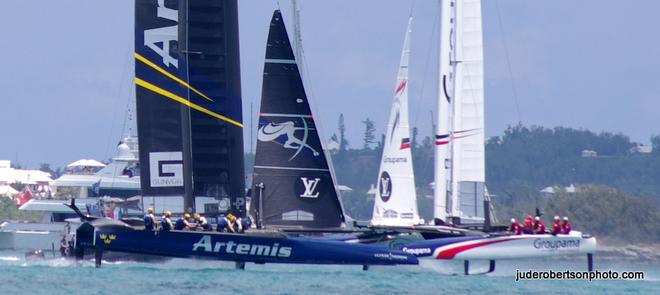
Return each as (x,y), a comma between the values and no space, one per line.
(517,247)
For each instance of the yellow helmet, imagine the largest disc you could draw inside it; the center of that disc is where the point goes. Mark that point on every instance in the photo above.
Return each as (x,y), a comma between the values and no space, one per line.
(186,215)
(150,210)
(197,216)
(168,213)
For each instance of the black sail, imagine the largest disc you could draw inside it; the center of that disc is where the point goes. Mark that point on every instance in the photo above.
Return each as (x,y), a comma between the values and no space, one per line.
(297,189)
(189,104)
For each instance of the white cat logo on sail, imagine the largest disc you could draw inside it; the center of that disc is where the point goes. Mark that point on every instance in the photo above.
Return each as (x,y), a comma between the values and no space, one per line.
(310,187)
(164,35)
(272,131)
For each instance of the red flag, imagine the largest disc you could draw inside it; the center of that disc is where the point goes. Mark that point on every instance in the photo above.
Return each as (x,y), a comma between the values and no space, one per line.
(24,197)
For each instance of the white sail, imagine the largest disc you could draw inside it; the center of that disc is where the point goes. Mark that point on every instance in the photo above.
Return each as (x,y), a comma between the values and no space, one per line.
(465,119)
(468,139)
(441,202)
(396,199)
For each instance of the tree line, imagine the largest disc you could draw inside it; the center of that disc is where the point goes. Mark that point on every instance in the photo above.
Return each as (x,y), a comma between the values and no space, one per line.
(619,188)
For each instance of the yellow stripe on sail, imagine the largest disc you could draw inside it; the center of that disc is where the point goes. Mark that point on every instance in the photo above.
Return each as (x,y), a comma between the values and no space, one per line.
(184,101)
(166,73)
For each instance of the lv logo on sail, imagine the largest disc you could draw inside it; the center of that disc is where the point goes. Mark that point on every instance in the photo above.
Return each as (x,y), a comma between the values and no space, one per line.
(310,187)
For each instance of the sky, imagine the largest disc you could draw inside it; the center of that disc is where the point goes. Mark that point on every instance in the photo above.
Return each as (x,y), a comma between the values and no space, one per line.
(67,68)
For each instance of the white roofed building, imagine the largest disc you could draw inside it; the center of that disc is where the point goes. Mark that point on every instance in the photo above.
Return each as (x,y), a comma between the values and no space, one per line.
(39,181)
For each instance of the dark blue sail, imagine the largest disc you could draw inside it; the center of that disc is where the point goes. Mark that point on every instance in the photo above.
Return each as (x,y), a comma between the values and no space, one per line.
(293,184)
(189,104)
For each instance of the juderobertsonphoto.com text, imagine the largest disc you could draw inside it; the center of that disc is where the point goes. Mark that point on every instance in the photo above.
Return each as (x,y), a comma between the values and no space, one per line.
(578,275)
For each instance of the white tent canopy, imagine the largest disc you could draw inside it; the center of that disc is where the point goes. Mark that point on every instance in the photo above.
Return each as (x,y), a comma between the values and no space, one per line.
(86,163)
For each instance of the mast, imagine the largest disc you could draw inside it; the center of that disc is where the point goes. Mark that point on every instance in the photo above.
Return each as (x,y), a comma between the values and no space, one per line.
(441,200)
(454,159)
(297,38)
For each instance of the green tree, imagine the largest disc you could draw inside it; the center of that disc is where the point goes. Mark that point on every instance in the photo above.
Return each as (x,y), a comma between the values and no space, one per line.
(343,143)
(655,143)
(414,137)
(369,137)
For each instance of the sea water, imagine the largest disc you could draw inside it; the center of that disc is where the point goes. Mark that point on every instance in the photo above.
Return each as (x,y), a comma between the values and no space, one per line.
(183,276)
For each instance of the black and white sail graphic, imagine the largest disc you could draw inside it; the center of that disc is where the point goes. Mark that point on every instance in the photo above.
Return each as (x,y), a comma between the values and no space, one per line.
(298,189)
(190,128)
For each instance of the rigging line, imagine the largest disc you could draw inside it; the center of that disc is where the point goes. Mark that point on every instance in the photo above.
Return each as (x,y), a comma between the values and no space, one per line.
(124,73)
(508,61)
(426,69)
(425,165)
(527,159)
(311,100)
(411,8)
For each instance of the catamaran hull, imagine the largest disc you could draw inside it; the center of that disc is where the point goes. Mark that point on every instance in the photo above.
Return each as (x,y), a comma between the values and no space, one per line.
(248,247)
(504,247)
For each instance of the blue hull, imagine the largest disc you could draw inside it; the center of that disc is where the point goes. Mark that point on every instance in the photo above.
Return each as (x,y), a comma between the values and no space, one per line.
(249,247)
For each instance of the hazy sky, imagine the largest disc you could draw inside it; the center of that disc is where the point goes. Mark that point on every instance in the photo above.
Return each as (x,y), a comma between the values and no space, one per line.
(67,69)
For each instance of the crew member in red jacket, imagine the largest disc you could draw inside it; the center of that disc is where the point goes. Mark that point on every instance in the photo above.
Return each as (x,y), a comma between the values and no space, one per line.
(539,227)
(566,226)
(528,227)
(514,228)
(556,227)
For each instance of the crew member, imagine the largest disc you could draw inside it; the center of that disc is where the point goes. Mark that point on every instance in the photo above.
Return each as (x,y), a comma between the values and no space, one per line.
(182,223)
(556,227)
(528,226)
(539,227)
(166,221)
(202,222)
(223,222)
(149,219)
(566,226)
(63,247)
(235,224)
(514,228)
(72,246)
(247,222)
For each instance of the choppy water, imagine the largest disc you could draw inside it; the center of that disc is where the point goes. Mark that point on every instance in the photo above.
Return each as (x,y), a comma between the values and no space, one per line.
(181,276)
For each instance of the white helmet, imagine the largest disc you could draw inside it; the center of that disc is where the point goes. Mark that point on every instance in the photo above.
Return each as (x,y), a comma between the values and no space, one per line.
(566,218)
(513,220)
(537,218)
(556,217)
